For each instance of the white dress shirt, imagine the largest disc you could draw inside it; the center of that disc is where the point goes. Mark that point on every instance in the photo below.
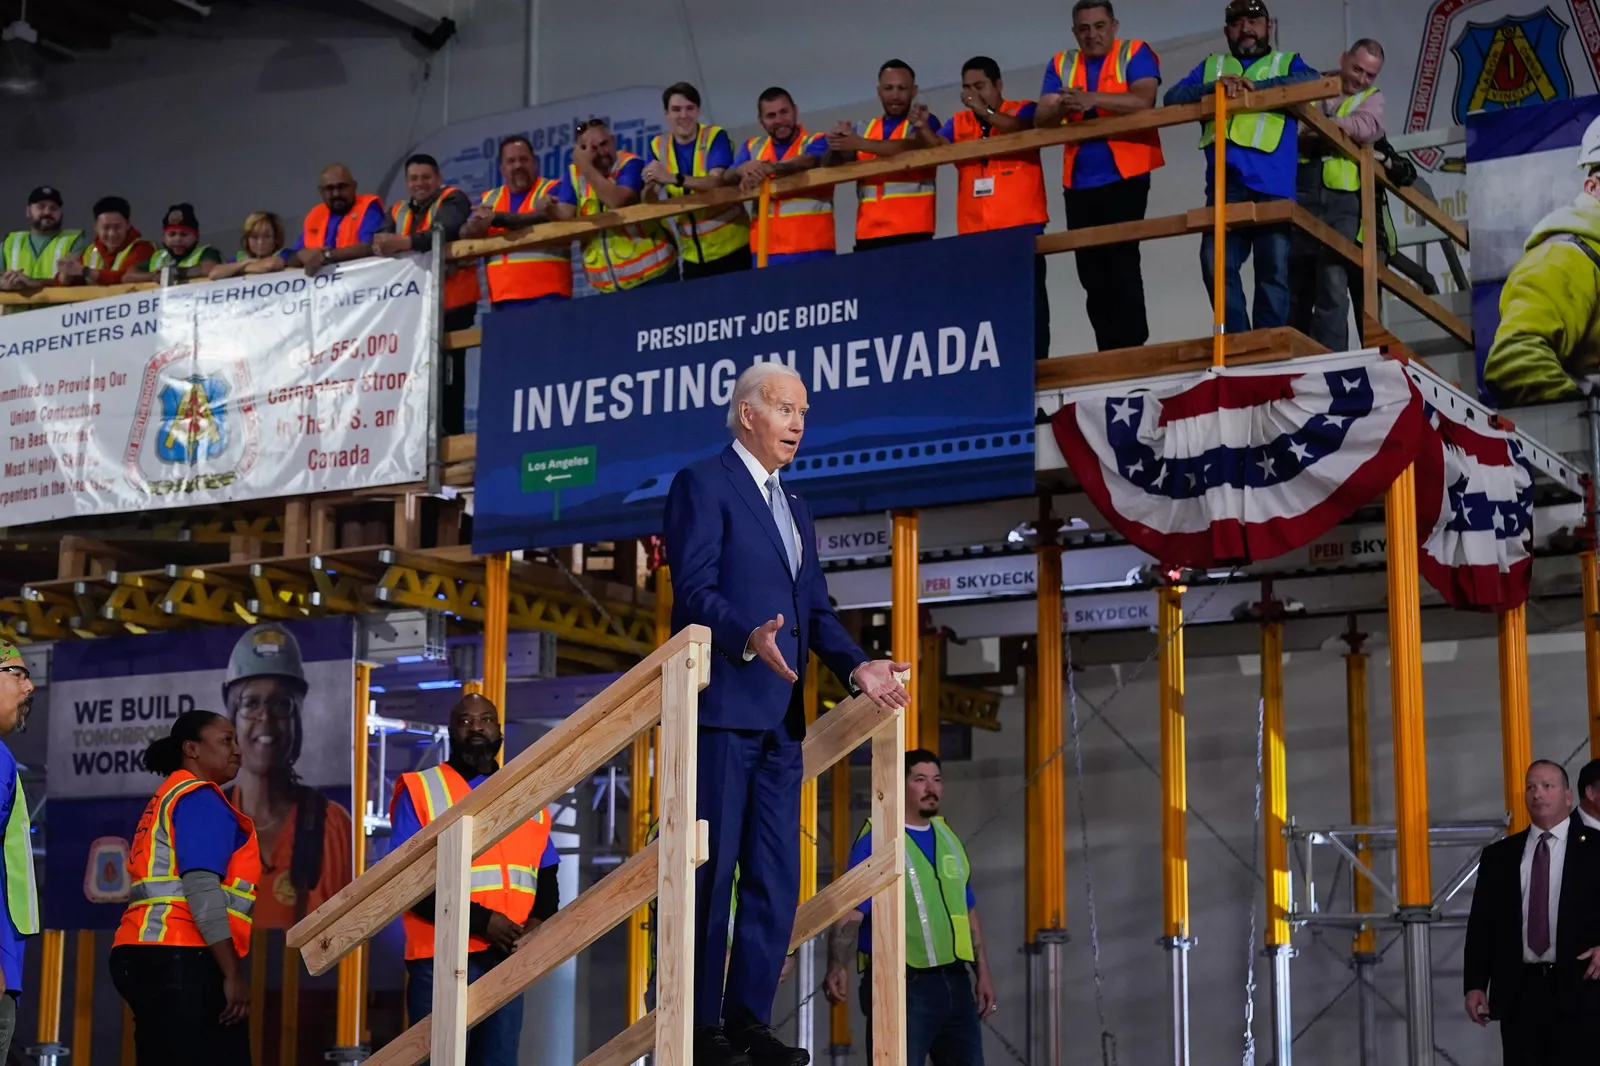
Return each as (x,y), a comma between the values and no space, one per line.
(1588,819)
(1557,845)
(759,472)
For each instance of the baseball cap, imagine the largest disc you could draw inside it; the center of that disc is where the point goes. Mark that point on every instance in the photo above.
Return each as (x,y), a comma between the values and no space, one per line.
(181,216)
(1246,9)
(45,194)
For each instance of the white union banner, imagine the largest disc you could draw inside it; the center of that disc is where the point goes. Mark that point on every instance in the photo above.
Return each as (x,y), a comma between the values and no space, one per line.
(268,385)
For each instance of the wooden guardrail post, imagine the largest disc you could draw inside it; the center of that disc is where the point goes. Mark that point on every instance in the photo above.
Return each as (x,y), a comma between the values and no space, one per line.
(682,677)
(1371,237)
(452,893)
(889,902)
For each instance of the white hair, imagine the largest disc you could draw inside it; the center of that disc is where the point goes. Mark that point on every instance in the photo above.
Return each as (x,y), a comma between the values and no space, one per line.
(752,386)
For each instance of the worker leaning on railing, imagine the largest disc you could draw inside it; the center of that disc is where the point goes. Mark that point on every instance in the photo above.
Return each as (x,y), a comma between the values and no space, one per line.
(180,251)
(528,275)
(116,249)
(1261,160)
(1322,285)
(800,225)
(33,257)
(713,240)
(1001,191)
(1107,180)
(891,208)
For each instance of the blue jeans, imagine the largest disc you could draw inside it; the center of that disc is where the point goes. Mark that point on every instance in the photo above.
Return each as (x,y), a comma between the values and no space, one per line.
(941,1016)
(1270,245)
(493,1041)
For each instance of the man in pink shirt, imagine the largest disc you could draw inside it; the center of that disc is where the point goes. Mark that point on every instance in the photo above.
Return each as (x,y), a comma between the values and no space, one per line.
(1322,285)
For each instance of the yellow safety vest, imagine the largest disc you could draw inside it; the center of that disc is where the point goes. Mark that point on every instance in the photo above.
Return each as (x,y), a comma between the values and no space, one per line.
(1261,130)
(42,267)
(938,925)
(1338,173)
(164,258)
(622,258)
(710,234)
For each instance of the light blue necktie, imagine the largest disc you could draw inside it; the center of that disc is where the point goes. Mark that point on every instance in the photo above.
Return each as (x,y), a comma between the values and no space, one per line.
(785,521)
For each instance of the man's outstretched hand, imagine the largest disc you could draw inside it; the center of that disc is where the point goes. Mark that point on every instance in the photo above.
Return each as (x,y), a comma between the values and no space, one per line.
(877,680)
(763,645)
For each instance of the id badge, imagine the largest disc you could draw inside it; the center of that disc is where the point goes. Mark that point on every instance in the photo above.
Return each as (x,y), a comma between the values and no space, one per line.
(983,187)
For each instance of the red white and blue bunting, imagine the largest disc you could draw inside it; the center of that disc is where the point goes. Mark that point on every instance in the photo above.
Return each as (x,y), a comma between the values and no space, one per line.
(1242,464)
(1475,515)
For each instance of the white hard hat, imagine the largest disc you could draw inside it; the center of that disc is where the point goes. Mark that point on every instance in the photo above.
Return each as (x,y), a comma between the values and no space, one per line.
(1589,150)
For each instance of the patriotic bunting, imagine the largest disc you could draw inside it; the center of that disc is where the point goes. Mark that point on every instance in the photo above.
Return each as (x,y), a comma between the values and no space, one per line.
(1242,464)
(1475,515)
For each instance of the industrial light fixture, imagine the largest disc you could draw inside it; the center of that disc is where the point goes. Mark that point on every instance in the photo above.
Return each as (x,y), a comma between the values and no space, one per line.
(19,75)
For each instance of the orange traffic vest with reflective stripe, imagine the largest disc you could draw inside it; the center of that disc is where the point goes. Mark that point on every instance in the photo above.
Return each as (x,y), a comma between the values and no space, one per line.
(315,234)
(531,272)
(158,911)
(504,878)
(895,203)
(1134,153)
(627,256)
(1014,183)
(460,279)
(800,222)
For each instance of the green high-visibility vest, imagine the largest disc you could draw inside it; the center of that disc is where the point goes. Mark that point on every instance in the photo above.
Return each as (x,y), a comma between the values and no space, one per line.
(19,254)
(1338,173)
(1391,236)
(1261,130)
(938,927)
(164,258)
(22,895)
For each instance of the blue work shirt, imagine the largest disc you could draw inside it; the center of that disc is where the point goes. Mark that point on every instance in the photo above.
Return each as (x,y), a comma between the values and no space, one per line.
(816,144)
(11,941)
(923,835)
(1269,173)
(404,824)
(371,223)
(629,176)
(719,155)
(205,832)
(1093,166)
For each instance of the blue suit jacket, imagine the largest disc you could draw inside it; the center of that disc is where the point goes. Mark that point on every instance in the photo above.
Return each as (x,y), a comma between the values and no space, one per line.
(730,573)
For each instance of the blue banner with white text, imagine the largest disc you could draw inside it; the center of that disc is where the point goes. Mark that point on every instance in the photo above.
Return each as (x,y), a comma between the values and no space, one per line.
(918,361)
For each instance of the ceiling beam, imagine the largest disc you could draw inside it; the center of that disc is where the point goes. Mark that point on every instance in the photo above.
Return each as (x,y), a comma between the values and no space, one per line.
(421,15)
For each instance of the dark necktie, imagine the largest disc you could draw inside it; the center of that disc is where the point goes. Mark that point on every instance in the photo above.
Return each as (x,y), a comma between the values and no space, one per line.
(1539,898)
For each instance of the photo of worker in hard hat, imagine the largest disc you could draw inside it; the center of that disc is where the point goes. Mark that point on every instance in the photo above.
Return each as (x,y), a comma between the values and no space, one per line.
(1549,333)
(305,838)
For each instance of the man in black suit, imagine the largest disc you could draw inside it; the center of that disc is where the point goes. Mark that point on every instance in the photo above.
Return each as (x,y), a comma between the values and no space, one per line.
(1532,961)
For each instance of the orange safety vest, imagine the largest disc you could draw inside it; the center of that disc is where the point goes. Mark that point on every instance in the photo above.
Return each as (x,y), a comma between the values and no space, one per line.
(800,222)
(532,272)
(460,279)
(895,203)
(158,912)
(315,233)
(1018,197)
(505,878)
(1133,153)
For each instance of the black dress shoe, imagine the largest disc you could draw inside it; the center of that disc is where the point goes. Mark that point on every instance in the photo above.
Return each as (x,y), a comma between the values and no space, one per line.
(765,1049)
(711,1048)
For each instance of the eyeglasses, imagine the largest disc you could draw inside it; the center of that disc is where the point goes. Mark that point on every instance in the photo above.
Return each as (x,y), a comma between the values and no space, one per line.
(20,672)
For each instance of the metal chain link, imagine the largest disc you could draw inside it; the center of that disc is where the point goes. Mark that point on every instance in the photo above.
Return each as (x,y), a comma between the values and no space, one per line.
(1249,1056)
(1108,1039)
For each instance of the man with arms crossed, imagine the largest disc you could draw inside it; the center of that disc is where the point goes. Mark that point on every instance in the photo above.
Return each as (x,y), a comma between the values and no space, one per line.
(735,543)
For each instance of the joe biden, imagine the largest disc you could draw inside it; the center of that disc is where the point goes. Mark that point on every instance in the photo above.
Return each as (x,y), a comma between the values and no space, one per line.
(743,557)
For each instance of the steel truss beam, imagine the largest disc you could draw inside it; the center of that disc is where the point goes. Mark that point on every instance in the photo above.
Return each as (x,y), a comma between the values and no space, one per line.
(348,581)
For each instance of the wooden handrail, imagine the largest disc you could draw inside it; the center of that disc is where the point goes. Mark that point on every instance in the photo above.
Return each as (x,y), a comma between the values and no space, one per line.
(528,783)
(826,177)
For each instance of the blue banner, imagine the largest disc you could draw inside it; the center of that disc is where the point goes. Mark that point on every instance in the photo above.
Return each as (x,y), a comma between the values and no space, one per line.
(918,359)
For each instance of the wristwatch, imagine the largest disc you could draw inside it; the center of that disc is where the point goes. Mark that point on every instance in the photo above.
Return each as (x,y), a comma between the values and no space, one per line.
(677,179)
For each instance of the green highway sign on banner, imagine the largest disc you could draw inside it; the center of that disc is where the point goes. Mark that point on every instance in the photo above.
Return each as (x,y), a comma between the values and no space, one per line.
(563,468)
